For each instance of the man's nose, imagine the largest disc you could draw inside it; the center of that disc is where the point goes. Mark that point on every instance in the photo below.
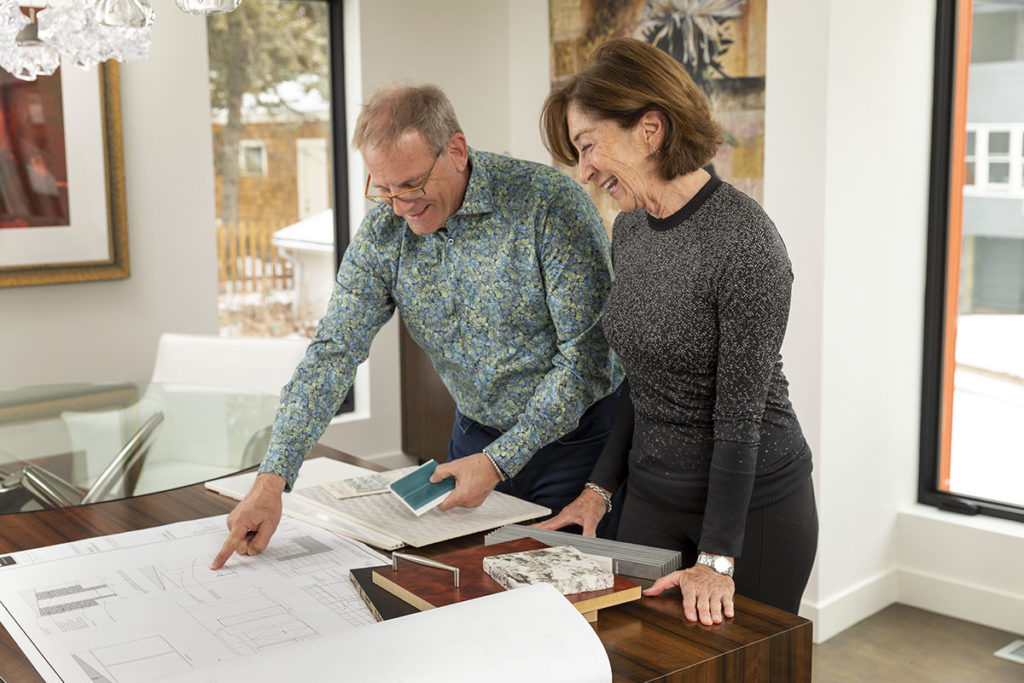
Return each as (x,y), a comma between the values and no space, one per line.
(402,206)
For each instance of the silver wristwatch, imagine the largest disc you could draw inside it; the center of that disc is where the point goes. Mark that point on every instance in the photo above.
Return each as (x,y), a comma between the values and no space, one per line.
(719,563)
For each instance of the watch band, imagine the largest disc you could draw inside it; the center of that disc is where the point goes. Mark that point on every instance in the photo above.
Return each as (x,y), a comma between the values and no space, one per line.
(720,564)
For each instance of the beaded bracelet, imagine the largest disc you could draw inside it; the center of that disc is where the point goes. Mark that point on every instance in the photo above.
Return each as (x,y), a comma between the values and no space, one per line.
(501,475)
(604,495)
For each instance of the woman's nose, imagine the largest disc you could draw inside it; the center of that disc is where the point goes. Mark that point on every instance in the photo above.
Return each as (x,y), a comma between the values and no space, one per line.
(586,172)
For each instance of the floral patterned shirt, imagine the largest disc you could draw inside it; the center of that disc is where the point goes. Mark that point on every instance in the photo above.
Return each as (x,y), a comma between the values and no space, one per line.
(505,300)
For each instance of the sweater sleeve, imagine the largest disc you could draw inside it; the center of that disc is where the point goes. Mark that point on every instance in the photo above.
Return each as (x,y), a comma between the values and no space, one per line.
(753,308)
(612,465)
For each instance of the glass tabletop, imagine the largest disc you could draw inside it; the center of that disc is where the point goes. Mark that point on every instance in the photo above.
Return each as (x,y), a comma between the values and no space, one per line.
(74,444)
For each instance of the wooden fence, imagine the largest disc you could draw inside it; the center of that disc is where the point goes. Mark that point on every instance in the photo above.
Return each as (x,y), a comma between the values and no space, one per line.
(249,261)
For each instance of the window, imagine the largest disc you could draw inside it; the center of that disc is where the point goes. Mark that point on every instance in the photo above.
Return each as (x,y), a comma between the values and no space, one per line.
(253,158)
(280,157)
(276,90)
(972,453)
(995,159)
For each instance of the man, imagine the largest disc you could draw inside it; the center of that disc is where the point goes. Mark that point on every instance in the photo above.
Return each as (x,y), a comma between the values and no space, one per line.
(500,269)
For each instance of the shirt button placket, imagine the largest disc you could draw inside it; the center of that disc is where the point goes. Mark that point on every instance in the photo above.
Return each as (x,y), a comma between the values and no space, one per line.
(452,289)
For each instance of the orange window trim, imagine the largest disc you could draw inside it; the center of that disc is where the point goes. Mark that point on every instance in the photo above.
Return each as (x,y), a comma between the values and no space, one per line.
(958,169)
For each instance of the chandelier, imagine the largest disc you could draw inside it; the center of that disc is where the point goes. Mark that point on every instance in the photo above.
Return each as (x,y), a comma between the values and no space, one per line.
(81,32)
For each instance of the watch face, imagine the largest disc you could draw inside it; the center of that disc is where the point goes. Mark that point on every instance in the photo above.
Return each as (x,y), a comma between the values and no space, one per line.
(722,565)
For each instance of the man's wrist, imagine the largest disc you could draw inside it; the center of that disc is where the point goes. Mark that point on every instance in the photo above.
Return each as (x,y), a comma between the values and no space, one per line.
(497,469)
(268,481)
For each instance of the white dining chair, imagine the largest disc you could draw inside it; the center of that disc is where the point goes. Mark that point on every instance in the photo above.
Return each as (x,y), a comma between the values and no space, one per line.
(249,363)
(191,383)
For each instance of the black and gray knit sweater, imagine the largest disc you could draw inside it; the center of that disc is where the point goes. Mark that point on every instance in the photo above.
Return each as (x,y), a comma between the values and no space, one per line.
(697,313)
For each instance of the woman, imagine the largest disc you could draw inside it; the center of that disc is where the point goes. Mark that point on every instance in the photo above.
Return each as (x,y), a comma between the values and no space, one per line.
(717,463)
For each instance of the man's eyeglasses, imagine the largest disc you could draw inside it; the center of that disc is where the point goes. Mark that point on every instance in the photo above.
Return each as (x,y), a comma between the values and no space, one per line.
(410,195)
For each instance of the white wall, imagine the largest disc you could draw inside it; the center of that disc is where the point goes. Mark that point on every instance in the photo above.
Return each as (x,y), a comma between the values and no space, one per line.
(795,108)
(847,153)
(528,77)
(108,330)
(459,45)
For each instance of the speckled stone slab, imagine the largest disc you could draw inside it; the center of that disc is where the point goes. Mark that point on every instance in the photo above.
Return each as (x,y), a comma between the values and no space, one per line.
(564,567)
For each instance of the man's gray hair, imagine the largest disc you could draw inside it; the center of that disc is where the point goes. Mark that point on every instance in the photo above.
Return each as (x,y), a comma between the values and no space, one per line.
(393,110)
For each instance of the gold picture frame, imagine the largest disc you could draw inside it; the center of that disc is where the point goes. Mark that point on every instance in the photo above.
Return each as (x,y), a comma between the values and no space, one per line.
(45,255)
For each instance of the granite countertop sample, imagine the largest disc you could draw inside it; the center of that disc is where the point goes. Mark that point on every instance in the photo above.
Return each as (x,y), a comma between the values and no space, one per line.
(564,567)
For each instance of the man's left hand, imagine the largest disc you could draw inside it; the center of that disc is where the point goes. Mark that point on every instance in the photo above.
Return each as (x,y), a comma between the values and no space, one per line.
(474,476)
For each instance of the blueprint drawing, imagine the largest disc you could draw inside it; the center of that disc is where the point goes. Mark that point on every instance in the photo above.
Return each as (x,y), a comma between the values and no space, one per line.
(144,604)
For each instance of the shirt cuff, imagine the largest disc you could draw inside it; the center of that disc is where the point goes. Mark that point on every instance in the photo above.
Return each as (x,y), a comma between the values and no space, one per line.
(283,467)
(510,452)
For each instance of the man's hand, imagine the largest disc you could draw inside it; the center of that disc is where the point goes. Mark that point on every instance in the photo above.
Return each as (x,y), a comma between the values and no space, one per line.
(587,510)
(707,595)
(474,476)
(254,520)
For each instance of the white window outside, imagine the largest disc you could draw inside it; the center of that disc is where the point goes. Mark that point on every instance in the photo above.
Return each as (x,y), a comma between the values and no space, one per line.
(995,160)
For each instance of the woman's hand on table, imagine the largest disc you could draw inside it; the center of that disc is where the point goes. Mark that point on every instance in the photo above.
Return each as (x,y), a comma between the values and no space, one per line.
(254,520)
(707,595)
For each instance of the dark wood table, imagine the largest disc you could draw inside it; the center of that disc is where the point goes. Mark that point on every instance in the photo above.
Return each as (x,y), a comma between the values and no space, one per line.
(646,640)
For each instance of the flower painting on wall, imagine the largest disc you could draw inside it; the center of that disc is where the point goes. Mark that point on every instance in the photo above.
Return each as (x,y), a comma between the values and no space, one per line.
(33,164)
(720,43)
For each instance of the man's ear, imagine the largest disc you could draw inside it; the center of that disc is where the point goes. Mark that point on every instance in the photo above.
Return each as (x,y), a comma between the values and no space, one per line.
(458,149)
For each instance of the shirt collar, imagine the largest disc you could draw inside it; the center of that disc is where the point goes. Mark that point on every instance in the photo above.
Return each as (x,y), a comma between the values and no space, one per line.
(478,198)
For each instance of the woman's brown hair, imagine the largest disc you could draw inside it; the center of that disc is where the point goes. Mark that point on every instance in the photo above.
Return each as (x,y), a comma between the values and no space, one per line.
(624,79)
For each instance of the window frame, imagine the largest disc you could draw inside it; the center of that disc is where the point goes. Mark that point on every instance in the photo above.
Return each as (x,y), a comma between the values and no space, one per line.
(982,157)
(339,130)
(246,144)
(339,149)
(945,210)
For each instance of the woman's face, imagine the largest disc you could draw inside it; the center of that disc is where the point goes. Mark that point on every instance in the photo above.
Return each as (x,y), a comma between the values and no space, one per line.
(617,160)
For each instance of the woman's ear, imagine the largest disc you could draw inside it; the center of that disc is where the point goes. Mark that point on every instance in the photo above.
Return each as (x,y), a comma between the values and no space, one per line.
(653,126)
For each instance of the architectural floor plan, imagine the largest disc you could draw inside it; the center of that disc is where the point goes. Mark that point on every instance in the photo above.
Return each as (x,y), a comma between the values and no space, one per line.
(144,605)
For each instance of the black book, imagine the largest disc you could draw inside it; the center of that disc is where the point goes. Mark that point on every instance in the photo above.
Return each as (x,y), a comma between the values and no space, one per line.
(382,604)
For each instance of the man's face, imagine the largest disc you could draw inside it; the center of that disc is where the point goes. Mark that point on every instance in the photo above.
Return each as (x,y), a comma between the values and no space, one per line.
(406,166)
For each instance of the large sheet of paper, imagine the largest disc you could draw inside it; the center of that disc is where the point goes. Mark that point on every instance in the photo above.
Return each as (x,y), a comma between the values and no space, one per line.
(528,634)
(142,604)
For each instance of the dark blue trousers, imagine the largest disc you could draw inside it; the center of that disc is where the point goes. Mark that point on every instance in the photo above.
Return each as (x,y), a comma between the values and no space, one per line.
(555,474)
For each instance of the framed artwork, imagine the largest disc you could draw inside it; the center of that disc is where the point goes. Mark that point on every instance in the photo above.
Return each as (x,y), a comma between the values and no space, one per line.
(721,45)
(62,198)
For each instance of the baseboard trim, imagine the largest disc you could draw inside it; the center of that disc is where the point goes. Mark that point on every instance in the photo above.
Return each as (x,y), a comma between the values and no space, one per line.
(979,604)
(859,602)
(982,605)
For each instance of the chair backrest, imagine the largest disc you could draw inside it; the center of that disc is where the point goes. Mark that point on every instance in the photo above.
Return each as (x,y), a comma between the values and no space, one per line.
(249,363)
